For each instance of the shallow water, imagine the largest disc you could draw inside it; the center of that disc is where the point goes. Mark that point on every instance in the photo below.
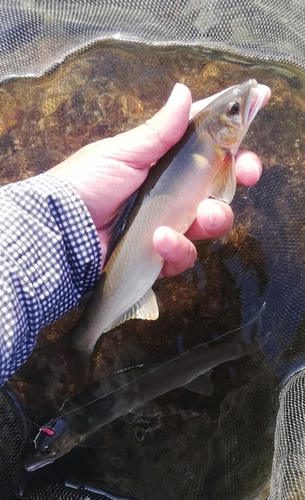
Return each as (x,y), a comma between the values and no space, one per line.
(205,447)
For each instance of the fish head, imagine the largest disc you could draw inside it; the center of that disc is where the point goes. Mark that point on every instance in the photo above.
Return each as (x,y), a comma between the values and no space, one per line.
(229,116)
(51,442)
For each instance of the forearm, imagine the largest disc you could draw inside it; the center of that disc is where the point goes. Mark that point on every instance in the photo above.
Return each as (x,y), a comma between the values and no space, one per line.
(49,257)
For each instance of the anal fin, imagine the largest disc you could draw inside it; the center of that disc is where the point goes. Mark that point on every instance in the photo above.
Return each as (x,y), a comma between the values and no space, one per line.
(201,385)
(145,308)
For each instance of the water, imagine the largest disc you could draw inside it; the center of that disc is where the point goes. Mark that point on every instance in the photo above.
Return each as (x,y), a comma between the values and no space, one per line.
(205,447)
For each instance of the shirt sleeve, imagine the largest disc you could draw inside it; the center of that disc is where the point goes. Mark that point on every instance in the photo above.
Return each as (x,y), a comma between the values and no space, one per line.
(50,256)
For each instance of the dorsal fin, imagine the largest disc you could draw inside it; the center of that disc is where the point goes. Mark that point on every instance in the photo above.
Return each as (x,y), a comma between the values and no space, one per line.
(117,227)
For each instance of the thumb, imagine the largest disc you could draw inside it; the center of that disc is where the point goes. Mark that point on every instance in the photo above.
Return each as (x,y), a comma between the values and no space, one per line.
(144,145)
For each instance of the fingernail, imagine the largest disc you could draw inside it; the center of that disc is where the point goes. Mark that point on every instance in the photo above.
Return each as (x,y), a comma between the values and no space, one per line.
(173,96)
(217,216)
(169,239)
(257,170)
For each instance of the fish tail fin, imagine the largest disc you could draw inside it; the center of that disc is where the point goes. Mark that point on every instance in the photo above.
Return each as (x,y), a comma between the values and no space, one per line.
(78,365)
(77,359)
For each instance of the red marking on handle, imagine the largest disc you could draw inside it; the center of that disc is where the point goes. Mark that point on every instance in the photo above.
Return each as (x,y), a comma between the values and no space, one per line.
(48,431)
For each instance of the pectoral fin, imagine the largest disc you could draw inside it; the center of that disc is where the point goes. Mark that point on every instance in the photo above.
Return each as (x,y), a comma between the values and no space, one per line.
(150,409)
(223,185)
(145,308)
(100,439)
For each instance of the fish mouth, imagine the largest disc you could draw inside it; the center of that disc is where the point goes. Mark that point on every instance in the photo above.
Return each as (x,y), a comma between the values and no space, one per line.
(259,96)
(38,465)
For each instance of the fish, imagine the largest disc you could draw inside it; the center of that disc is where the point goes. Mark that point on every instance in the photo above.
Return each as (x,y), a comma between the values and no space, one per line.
(126,390)
(200,165)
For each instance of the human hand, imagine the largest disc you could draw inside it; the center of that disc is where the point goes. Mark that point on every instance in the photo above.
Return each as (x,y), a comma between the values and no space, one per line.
(105,173)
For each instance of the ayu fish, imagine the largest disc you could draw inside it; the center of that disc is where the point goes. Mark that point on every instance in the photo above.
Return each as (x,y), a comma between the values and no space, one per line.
(200,165)
(129,389)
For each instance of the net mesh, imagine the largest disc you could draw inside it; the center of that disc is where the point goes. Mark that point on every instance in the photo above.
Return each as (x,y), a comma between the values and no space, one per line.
(12,481)
(35,37)
(38,34)
(10,445)
(288,470)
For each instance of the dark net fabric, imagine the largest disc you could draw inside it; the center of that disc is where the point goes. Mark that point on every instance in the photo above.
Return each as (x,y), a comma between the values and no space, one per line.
(288,470)
(62,493)
(11,475)
(10,446)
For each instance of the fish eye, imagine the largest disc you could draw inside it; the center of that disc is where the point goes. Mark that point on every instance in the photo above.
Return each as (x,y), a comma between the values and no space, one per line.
(234,108)
(46,450)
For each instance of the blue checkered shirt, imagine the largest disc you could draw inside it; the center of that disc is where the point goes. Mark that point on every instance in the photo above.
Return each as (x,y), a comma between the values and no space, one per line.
(50,256)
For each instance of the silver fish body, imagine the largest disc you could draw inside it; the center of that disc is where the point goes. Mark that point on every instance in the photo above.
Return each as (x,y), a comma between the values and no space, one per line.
(176,185)
(199,165)
(122,391)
